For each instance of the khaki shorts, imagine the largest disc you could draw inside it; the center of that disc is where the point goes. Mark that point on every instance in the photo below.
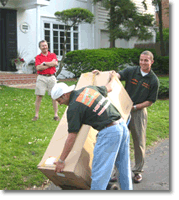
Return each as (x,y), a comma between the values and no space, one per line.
(44,83)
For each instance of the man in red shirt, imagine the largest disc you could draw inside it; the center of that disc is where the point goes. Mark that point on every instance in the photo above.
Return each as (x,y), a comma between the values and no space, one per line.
(45,63)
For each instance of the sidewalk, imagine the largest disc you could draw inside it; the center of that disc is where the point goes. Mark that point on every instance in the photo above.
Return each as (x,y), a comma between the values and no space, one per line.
(156,174)
(156,170)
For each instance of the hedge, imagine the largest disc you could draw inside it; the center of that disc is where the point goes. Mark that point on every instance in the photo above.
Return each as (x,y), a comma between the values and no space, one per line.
(81,61)
(163,89)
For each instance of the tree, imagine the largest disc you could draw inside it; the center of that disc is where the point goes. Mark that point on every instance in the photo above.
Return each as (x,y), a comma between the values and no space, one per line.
(72,17)
(158,3)
(125,21)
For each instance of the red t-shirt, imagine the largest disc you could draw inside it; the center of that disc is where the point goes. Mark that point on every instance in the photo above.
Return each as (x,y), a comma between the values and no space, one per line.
(42,58)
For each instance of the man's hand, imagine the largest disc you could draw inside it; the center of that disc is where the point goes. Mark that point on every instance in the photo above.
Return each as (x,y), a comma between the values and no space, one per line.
(116,74)
(66,150)
(112,74)
(59,167)
(96,71)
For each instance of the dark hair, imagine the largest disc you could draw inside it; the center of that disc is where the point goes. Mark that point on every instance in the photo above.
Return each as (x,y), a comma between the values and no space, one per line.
(42,42)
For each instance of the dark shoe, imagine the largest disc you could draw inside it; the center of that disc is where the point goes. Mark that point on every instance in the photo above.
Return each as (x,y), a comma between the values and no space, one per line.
(35,119)
(137,178)
(56,118)
(113,179)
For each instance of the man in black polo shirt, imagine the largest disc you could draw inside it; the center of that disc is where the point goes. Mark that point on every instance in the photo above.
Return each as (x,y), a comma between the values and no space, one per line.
(142,86)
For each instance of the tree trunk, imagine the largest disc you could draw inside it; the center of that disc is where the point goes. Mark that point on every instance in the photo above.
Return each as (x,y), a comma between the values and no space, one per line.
(162,49)
(63,57)
(112,25)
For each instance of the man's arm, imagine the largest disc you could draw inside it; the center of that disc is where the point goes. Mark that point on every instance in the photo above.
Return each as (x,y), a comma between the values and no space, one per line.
(47,65)
(142,105)
(41,67)
(110,85)
(53,63)
(66,150)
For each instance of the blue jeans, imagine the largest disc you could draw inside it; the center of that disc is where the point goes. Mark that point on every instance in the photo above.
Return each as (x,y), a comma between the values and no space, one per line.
(112,148)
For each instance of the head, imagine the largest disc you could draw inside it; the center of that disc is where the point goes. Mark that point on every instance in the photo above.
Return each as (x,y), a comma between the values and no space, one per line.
(146,60)
(61,93)
(43,45)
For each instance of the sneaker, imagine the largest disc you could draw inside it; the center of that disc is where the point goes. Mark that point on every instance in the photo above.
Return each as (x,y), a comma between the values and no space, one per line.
(137,178)
(35,119)
(56,118)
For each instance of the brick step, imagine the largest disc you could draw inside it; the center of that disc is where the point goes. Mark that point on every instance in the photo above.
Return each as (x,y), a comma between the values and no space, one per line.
(15,79)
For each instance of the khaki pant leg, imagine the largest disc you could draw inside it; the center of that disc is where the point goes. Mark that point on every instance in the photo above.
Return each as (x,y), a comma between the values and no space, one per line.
(138,126)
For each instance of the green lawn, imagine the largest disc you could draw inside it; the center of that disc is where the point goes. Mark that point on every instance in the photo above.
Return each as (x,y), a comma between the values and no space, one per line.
(23,142)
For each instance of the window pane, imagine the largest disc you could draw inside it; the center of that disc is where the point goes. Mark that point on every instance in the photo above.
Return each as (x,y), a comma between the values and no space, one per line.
(55,26)
(47,32)
(75,47)
(61,46)
(47,38)
(75,28)
(61,33)
(68,40)
(55,51)
(61,53)
(67,27)
(55,33)
(68,46)
(55,39)
(46,25)
(75,41)
(61,40)
(55,46)
(68,34)
(61,26)
(75,35)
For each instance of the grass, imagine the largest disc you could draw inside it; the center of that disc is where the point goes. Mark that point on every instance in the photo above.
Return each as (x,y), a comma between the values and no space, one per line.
(23,142)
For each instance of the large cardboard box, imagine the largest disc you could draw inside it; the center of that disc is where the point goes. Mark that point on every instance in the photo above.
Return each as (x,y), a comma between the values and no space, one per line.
(77,171)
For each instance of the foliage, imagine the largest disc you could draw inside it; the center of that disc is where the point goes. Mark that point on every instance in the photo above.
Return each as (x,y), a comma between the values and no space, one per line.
(19,58)
(165,35)
(163,89)
(125,21)
(161,65)
(75,16)
(82,61)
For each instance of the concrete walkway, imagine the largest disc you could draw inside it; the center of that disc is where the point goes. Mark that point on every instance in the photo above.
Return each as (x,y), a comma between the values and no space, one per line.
(156,174)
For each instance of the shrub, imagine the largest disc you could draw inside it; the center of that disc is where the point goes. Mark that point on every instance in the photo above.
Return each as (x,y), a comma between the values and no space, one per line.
(163,89)
(81,61)
(161,65)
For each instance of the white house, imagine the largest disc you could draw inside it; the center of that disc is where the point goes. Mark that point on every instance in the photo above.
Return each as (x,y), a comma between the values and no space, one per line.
(23,23)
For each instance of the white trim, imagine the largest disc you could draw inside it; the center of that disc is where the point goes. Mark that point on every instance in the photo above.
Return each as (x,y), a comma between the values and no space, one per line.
(85,1)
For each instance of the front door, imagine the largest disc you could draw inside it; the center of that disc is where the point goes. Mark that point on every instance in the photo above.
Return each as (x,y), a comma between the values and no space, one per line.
(8,38)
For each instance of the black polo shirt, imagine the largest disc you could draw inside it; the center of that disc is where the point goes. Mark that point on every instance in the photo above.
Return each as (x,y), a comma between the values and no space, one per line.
(90,106)
(140,88)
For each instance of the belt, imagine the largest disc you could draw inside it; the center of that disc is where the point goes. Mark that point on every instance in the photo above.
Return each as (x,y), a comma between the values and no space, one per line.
(47,74)
(114,123)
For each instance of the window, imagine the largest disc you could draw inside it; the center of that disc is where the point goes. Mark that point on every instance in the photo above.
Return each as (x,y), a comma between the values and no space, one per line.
(54,34)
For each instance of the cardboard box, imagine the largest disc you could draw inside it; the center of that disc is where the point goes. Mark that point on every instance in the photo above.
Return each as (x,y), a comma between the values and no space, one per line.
(77,171)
